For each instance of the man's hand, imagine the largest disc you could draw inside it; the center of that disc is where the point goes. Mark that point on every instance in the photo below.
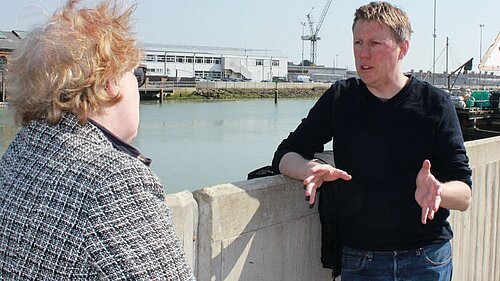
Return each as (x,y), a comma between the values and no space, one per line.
(319,174)
(428,192)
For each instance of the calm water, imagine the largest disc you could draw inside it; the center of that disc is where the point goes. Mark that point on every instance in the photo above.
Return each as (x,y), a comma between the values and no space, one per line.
(199,144)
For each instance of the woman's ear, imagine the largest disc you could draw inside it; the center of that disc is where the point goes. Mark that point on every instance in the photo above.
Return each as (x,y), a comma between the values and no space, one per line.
(112,88)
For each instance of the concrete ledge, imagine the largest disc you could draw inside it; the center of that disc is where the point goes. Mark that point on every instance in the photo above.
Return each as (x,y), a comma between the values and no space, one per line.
(185,217)
(483,151)
(260,229)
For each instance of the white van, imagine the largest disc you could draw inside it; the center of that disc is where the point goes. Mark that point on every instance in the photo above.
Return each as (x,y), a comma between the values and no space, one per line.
(303,79)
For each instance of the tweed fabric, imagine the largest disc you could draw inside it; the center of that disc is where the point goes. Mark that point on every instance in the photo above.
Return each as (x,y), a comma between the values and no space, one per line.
(73,207)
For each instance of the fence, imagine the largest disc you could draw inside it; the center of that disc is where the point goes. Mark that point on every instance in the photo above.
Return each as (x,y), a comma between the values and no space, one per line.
(170,85)
(259,85)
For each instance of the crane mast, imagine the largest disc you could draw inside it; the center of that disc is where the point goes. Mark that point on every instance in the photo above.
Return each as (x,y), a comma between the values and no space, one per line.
(313,32)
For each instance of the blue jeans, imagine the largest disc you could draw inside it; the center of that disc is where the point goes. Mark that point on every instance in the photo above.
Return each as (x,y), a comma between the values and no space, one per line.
(428,263)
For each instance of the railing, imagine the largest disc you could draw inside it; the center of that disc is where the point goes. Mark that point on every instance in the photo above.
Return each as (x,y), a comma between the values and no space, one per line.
(167,85)
(259,85)
(170,86)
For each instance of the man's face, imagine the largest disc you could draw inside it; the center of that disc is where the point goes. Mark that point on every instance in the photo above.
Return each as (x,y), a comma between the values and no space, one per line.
(376,53)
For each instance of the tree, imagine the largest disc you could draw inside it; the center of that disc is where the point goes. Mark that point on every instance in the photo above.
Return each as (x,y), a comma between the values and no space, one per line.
(306,63)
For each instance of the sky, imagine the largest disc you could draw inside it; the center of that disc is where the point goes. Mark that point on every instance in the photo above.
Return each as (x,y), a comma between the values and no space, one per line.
(276,25)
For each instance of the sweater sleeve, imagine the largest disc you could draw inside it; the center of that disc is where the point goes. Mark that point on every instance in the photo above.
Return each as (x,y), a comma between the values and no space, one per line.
(312,133)
(131,233)
(450,160)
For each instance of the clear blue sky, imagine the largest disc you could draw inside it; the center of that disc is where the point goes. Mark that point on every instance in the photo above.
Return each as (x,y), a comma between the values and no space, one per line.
(276,25)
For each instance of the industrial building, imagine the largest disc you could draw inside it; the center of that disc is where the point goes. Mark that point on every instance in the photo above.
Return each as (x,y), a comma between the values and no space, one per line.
(167,61)
(8,43)
(318,73)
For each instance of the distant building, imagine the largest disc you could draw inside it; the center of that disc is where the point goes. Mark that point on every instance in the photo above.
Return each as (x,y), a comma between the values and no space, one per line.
(8,43)
(318,73)
(459,79)
(212,63)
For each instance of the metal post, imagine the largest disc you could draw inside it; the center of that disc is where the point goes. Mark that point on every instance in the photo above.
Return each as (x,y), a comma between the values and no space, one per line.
(434,48)
(480,48)
(3,62)
(447,74)
(2,86)
(276,93)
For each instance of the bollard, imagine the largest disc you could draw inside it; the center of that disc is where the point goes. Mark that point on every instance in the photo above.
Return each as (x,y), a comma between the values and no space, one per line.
(276,93)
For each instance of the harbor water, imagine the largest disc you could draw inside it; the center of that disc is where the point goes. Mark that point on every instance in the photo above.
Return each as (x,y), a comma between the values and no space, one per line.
(197,144)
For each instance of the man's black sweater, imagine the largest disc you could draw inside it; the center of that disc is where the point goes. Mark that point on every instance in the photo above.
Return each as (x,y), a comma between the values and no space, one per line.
(383,144)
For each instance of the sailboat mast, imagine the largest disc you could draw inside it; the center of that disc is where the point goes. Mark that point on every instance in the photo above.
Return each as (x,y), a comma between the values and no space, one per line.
(434,48)
(447,45)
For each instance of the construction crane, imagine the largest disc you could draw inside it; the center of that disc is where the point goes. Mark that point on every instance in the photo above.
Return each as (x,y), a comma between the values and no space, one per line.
(313,32)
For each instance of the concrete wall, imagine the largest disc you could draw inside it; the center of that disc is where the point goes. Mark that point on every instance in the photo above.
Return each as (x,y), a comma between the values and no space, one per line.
(476,245)
(263,229)
(258,230)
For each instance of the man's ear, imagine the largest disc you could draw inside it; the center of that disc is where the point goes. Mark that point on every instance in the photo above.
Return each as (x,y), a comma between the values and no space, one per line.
(404,47)
(112,88)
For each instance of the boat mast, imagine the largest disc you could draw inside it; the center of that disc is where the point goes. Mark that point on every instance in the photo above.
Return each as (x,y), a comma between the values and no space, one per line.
(447,44)
(434,48)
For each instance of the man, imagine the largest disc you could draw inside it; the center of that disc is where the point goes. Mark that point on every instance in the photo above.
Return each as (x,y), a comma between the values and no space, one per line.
(399,156)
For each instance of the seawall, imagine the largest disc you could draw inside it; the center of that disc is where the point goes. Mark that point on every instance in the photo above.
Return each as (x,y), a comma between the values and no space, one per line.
(263,229)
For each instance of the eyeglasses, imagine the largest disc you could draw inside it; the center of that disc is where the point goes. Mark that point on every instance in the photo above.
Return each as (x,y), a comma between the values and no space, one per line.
(140,74)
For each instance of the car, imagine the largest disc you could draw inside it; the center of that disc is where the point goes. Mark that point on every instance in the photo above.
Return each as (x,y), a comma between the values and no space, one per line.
(279,79)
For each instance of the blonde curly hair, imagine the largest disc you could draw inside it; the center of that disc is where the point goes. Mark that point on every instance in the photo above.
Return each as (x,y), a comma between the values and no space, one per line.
(64,66)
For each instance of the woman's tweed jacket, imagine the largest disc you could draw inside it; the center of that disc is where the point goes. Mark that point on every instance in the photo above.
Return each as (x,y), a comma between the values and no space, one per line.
(74,207)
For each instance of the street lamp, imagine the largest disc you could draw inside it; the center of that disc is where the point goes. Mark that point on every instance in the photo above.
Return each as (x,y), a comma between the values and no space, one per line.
(481,41)
(481,25)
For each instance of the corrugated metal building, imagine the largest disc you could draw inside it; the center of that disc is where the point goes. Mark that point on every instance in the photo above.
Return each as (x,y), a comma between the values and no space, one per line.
(213,63)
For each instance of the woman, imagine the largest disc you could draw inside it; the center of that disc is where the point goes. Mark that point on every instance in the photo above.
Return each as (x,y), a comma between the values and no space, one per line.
(76,200)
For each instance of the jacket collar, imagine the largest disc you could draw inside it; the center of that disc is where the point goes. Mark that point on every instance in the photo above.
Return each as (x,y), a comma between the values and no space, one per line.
(121,145)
